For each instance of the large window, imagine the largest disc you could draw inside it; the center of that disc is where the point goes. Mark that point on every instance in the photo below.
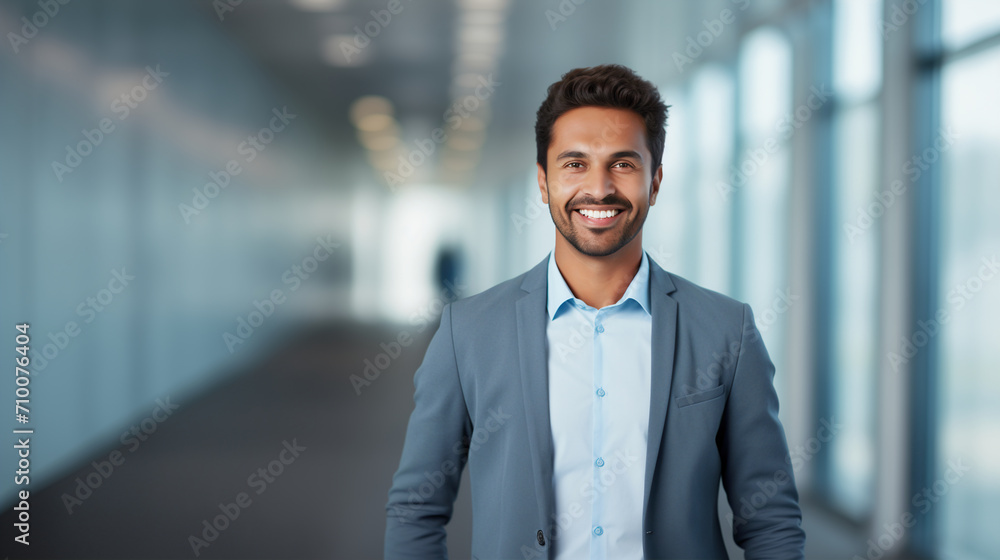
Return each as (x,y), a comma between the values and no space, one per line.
(968,366)
(711,96)
(669,226)
(856,73)
(758,182)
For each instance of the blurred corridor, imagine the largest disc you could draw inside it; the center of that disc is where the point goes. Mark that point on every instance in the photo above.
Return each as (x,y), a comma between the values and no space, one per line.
(233,224)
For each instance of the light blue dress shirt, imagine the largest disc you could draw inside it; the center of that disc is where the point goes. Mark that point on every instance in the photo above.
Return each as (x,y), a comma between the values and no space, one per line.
(599,383)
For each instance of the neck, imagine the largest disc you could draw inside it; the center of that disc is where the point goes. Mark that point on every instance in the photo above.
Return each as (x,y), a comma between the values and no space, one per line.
(598,281)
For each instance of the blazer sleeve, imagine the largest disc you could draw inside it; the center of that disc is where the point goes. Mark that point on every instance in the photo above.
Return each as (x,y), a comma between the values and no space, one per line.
(424,487)
(757,470)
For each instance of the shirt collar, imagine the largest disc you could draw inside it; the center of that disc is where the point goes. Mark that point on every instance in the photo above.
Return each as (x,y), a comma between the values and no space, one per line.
(559,292)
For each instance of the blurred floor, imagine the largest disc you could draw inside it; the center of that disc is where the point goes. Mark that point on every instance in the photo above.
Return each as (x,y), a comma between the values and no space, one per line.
(326,503)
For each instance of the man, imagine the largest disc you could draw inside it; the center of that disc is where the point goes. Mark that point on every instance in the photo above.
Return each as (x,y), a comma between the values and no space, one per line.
(597,399)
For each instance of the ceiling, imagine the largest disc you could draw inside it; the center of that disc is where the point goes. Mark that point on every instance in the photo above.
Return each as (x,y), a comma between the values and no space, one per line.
(414,60)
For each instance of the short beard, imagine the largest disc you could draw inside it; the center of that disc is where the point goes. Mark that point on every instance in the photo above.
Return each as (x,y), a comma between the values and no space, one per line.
(625,233)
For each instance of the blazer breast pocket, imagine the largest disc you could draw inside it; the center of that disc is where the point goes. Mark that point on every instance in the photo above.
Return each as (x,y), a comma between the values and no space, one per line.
(700,396)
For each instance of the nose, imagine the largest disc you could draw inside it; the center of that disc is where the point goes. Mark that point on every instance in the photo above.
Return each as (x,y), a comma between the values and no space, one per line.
(599,183)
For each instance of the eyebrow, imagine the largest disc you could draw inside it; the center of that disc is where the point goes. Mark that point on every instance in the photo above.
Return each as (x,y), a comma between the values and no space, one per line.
(571,154)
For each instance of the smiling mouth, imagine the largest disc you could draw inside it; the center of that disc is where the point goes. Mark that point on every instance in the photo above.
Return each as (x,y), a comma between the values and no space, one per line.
(598,214)
(598,218)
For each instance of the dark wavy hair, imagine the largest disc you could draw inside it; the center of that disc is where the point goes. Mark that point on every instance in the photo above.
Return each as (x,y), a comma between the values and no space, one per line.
(607,85)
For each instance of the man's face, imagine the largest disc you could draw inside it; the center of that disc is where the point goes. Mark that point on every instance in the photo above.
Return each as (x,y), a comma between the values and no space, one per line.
(601,179)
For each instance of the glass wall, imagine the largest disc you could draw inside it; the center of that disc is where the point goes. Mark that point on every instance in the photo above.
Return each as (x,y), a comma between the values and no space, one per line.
(758,183)
(968,368)
(711,100)
(129,295)
(857,208)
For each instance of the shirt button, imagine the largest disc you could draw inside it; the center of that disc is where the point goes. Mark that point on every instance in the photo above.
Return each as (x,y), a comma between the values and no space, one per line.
(599,462)
(598,530)
(600,392)
(600,328)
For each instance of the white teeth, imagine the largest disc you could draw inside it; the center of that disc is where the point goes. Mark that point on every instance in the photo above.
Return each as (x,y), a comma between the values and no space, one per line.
(598,214)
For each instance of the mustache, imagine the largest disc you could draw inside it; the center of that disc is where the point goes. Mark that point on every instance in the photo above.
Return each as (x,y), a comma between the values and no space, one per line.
(610,200)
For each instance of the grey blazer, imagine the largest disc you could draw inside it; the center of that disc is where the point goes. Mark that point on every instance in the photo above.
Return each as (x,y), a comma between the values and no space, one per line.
(482,399)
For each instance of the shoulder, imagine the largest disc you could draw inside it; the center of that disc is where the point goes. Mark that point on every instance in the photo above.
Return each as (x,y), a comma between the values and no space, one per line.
(499,295)
(696,304)
(493,303)
(709,300)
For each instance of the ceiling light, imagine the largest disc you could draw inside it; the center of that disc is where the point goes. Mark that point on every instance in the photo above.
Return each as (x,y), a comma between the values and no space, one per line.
(340,50)
(483,4)
(317,5)
(369,105)
(375,122)
(378,141)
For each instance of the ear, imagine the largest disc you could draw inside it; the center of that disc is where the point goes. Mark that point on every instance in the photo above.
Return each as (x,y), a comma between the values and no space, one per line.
(654,187)
(542,183)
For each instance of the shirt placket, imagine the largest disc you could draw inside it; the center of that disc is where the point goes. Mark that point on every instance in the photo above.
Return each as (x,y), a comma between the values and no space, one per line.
(598,540)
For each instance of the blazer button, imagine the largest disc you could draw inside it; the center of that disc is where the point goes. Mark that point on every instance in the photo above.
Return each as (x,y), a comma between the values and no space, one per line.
(541,538)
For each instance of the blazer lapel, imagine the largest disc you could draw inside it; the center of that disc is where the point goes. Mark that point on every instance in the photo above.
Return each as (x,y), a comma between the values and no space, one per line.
(664,338)
(533,361)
